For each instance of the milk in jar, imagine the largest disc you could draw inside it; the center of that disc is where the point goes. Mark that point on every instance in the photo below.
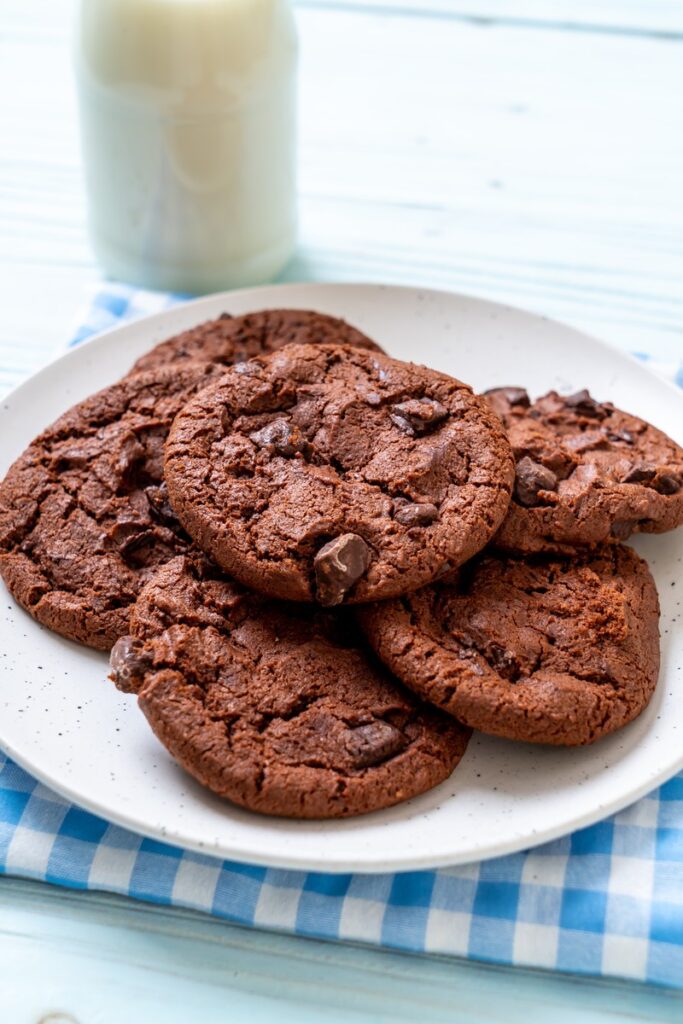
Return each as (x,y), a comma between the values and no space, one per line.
(188,136)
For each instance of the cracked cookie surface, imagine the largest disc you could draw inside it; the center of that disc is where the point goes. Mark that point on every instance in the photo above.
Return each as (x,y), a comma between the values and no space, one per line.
(328,473)
(233,339)
(277,707)
(547,650)
(585,473)
(84,513)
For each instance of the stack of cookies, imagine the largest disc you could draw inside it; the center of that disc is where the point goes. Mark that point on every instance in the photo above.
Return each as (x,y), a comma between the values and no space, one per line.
(319,568)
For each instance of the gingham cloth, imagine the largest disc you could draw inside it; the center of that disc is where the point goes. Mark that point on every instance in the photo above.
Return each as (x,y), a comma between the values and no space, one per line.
(607,900)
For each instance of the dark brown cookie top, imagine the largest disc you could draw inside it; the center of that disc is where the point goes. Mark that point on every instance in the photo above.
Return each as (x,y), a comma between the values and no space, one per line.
(84,513)
(547,650)
(585,473)
(279,708)
(328,473)
(234,339)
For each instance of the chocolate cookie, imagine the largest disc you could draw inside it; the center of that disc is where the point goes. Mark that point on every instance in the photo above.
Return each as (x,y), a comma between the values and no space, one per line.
(547,650)
(586,473)
(233,339)
(328,473)
(276,707)
(84,514)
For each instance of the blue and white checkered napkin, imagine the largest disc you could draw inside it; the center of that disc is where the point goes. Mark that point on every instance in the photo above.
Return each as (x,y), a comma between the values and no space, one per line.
(605,901)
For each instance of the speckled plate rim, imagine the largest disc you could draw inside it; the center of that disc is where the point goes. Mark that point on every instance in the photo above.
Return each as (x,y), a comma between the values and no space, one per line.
(65,724)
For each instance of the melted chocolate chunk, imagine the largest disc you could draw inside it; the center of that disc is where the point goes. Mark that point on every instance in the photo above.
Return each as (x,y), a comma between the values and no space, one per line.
(371,744)
(128,664)
(130,455)
(416,514)
(74,457)
(283,437)
(142,544)
(146,548)
(584,405)
(512,396)
(338,565)
(620,435)
(530,479)
(124,534)
(505,663)
(668,483)
(418,416)
(587,441)
(160,505)
(641,473)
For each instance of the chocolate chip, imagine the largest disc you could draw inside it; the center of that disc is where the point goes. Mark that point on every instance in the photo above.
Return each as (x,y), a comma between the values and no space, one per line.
(160,505)
(139,550)
(512,396)
(505,663)
(374,743)
(225,316)
(72,458)
(577,397)
(416,514)
(338,565)
(130,454)
(418,415)
(128,665)
(282,436)
(561,461)
(668,483)
(640,473)
(142,544)
(620,435)
(124,533)
(530,479)
(584,405)
(586,441)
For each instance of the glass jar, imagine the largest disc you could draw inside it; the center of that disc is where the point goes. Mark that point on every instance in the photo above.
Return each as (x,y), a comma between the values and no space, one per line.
(188,135)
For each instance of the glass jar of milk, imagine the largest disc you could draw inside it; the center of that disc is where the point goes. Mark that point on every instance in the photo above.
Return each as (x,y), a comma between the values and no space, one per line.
(188,132)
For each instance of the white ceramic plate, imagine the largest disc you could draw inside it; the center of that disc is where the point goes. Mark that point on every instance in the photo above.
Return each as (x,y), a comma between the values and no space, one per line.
(64,723)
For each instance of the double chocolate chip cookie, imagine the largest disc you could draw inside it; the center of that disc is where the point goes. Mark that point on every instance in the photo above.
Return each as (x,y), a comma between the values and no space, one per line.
(547,650)
(84,513)
(585,473)
(276,707)
(233,339)
(333,474)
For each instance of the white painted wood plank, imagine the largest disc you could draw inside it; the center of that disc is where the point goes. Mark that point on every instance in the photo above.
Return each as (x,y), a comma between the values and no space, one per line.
(480,163)
(639,16)
(662,17)
(103,959)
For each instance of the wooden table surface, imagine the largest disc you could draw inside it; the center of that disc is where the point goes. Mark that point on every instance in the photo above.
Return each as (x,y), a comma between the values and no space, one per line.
(526,151)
